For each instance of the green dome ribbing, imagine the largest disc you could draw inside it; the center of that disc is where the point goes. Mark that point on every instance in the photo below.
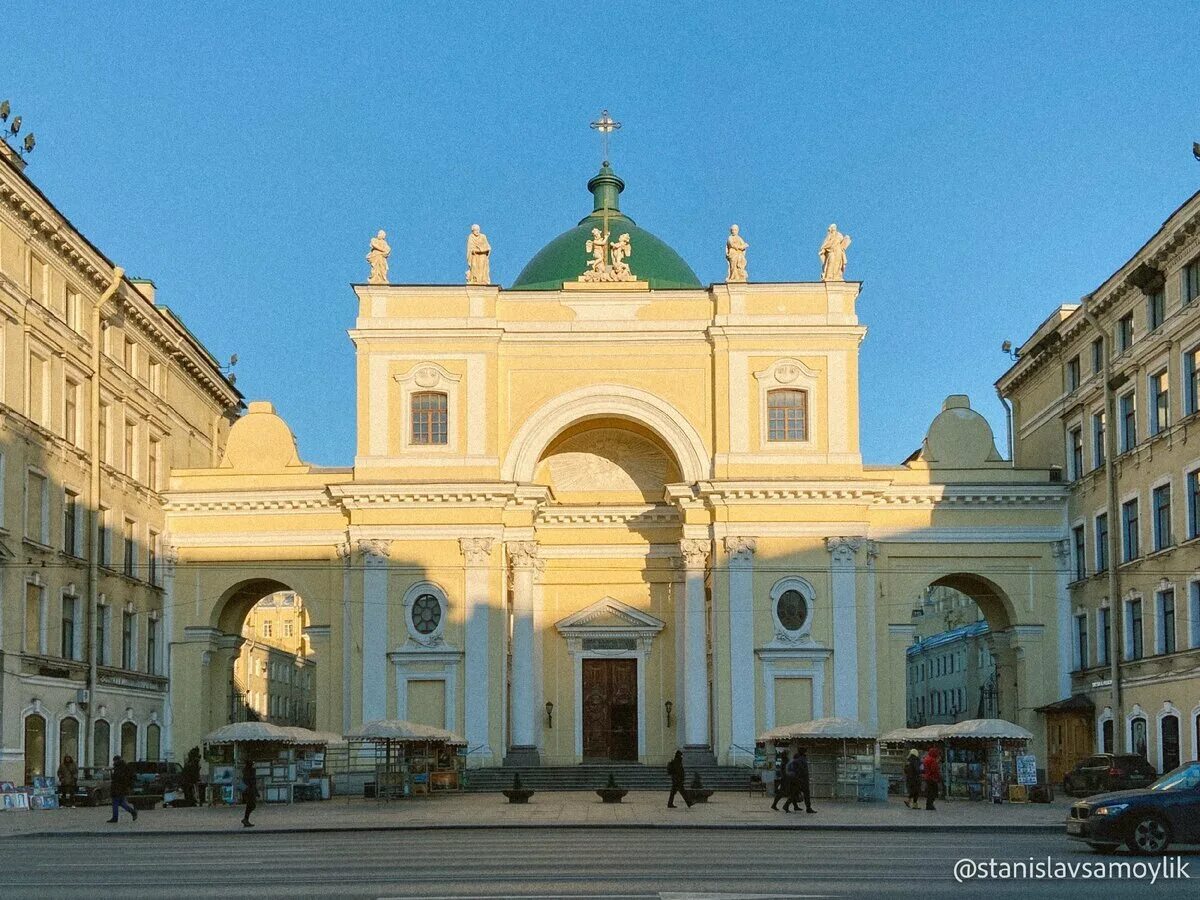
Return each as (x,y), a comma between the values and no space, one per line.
(566,258)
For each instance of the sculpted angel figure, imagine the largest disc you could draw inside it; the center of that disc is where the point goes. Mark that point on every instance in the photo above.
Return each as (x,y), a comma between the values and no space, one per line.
(597,265)
(478,256)
(833,255)
(619,251)
(735,254)
(377,256)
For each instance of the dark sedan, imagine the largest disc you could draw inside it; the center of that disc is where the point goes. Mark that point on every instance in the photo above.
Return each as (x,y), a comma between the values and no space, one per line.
(1109,772)
(1147,821)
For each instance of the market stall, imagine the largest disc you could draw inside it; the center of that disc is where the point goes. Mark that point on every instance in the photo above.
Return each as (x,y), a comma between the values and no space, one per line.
(981,759)
(289,762)
(410,758)
(842,756)
(895,745)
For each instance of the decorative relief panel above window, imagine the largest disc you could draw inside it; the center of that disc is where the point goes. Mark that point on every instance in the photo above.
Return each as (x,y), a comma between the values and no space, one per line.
(429,402)
(787,390)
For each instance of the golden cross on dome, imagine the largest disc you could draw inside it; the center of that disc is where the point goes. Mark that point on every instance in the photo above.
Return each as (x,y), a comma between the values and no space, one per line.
(606,125)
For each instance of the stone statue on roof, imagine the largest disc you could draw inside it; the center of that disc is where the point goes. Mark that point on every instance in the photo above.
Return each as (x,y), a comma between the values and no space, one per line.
(478,256)
(833,255)
(597,246)
(619,251)
(735,255)
(377,257)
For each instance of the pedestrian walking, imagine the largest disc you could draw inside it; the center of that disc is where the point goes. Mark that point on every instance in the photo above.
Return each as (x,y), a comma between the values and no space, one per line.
(249,792)
(912,779)
(931,772)
(791,786)
(122,784)
(781,781)
(803,788)
(191,776)
(68,778)
(675,770)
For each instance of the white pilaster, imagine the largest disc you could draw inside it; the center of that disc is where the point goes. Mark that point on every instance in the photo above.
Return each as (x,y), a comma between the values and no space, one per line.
(345,552)
(375,628)
(741,646)
(1062,600)
(695,645)
(842,551)
(522,715)
(869,626)
(170,558)
(476,554)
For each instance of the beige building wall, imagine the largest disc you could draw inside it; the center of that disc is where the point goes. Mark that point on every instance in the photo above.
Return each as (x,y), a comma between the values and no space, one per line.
(162,402)
(275,673)
(1057,388)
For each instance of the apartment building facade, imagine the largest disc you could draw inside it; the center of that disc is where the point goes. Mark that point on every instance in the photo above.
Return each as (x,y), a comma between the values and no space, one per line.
(1127,358)
(274,676)
(102,390)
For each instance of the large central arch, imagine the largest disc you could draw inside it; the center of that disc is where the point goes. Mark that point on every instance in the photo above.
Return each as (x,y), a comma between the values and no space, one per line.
(607,401)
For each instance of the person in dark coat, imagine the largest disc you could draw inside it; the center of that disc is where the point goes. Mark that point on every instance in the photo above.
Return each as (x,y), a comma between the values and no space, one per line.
(122,785)
(68,778)
(250,792)
(799,785)
(931,772)
(912,779)
(675,770)
(781,782)
(191,776)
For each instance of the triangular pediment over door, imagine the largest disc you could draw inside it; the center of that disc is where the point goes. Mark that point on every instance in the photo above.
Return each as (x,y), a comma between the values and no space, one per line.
(609,617)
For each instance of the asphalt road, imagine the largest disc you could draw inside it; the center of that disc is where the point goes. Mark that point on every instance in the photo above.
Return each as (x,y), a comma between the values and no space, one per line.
(552,862)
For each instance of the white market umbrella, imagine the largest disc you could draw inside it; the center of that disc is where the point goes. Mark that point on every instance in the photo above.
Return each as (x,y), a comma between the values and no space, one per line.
(253,732)
(401,730)
(925,734)
(986,729)
(833,728)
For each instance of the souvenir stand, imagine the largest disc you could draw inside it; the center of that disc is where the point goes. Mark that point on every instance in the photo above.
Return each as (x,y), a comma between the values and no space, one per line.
(288,762)
(894,747)
(410,758)
(980,758)
(843,758)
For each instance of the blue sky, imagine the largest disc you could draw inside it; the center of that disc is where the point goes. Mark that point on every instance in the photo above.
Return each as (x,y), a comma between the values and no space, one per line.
(989,160)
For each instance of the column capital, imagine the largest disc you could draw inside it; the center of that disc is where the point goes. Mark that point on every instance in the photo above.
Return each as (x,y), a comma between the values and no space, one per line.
(374,550)
(695,552)
(476,550)
(1061,550)
(344,550)
(741,549)
(843,549)
(522,554)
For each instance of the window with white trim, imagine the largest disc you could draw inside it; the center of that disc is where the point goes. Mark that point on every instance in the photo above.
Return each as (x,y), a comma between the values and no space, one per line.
(1194,614)
(787,415)
(1129,530)
(1098,438)
(1075,453)
(1128,415)
(1134,647)
(1165,601)
(1189,278)
(1161,506)
(1160,402)
(430,418)
(1078,543)
(1102,542)
(37,507)
(1081,641)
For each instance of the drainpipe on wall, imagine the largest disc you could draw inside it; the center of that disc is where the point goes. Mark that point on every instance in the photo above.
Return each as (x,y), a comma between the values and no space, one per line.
(93,506)
(1115,608)
(1008,421)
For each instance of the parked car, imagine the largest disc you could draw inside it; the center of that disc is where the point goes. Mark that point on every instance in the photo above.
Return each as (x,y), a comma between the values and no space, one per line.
(1147,821)
(156,778)
(93,786)
(1108,772)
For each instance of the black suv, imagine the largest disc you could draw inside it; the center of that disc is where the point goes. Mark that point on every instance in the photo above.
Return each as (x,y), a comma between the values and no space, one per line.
(1108,772)
(156,778)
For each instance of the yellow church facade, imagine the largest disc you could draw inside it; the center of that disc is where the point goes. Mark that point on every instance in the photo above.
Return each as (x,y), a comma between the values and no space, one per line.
(605,519)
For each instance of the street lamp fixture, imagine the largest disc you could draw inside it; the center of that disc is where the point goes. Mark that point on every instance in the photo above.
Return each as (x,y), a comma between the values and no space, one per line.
(668,706)
(549,714)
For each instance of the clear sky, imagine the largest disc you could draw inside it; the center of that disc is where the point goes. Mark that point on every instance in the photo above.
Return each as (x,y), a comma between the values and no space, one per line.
(989,160)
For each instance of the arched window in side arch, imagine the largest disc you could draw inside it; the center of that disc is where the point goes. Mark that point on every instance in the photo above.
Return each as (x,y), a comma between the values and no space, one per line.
(153,742)
(1137,736)
(68,739)
(35,746)
(430,418)
(1168,742)
(101,743)
(787,415)
(129,741)
(792,607)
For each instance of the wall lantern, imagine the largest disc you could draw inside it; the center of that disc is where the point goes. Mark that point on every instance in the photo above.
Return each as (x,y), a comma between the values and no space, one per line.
(549,714)
(668,705)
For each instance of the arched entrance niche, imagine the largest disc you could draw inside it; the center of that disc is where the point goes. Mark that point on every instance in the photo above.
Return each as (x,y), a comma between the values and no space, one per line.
(217,683)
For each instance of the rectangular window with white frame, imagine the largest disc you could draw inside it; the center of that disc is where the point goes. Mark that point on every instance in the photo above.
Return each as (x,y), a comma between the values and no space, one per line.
(1161,508)
(1103,636)
(1156,308)
(1194,614)
(1075,453)
(72,515)
(1129,530)
(1101,542)
(1078,552)
(34,633)
(1191,380)
(130,536)
(129,652)
(1165,637)
(72,392)
(1160,402)
(1125,332)
(69,631)
(1134,647)
(37,507)
(152,648)
(1073,370)
(1097,355)
(1081,641)
(1189,281)
(152,554)
(1193,503)
(104,536)
(103,630)
(1098,438)
(38,390)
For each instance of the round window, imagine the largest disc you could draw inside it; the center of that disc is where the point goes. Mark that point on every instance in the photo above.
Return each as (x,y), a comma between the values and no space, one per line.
(426,614)
(792,610)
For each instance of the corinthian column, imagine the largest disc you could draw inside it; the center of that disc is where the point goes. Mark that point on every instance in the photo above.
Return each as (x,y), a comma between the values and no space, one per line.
(842,551)
(523,558)
(477,555)
(375,628)
(696,739)
(741,645)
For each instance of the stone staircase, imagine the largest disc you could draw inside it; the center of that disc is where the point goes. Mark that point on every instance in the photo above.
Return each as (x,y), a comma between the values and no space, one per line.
(588,777)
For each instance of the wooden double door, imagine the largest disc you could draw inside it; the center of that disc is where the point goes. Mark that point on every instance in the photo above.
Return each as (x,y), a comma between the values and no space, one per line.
(610,712)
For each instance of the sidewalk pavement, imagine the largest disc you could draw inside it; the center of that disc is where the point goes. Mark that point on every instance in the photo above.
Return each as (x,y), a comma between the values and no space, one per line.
(639,809)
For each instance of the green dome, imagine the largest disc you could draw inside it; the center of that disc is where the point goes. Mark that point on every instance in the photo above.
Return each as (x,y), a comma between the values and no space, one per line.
(566,258)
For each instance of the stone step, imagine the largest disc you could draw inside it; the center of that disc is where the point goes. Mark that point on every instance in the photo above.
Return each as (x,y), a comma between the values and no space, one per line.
(589,777)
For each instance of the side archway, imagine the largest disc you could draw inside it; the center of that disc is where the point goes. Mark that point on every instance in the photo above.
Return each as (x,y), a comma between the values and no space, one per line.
(607,401)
